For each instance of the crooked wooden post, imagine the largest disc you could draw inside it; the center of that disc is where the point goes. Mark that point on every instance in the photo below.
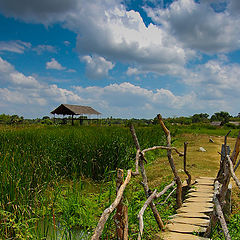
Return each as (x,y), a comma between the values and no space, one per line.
(185,165)
(224,174)
(170,159)
(144,177)
(121,216)
(106,213)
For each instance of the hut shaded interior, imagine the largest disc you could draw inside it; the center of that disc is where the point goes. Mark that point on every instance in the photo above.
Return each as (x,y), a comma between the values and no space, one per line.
(68,109)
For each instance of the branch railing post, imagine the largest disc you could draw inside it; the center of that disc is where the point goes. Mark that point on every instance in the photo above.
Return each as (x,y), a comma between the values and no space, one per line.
(120,218)
(225,172)
(106,213)
(144,177)
(185,165)
(170,159)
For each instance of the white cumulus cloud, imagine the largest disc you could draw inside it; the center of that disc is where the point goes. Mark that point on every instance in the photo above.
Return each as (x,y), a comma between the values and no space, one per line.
(199,26)
(97,67)
(14,46)
(54,64)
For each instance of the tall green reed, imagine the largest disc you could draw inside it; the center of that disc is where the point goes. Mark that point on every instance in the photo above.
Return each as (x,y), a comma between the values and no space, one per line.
(32,160)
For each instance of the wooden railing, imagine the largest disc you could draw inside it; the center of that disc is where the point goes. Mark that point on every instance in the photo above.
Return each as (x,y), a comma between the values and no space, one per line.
(221,185)
(121,217)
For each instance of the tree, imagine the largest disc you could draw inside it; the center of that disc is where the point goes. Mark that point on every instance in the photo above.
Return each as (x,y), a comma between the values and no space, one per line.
(202,117)
(223,117)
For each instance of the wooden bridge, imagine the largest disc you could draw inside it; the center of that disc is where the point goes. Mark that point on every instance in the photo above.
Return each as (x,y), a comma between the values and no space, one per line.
(193,216)
(205,204)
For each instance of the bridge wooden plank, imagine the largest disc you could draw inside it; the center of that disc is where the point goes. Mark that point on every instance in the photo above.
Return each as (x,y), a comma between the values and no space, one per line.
(184,228)
(194,221)
(193,215)
(180,236)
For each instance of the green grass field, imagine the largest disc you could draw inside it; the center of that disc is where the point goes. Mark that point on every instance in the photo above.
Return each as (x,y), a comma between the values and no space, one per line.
(34,160)
(55,181)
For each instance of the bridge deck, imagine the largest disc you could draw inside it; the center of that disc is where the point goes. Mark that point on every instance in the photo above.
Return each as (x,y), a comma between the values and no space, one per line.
(193,216)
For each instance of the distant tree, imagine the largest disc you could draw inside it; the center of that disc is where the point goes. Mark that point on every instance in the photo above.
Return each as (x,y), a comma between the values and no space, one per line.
(223,117)
(45,117)
(202,117)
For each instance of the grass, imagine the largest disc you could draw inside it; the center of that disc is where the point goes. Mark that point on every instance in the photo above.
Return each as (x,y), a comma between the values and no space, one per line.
(200,164)
(33,160)
(63,177)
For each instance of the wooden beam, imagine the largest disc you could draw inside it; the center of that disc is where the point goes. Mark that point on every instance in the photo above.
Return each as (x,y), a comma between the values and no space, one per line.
(144,177)
(171,162)
(185,164)
(106,213)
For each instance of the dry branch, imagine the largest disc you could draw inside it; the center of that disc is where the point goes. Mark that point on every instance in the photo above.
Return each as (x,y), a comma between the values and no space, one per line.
(170,159)
(109,210)
(236,150)
(168,196)
(185,164)
(140,215)
(165,189)
(236,166)
(137,163)
(121,210)
(149,201)
(144,177)
(163,147)
(232,172)
(221,218)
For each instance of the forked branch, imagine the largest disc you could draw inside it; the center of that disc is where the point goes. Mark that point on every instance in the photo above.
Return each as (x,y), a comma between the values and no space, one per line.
(106,213)
(163,147)
(232,171)
(236,150)
(153,196)
(171,162)
(144,178)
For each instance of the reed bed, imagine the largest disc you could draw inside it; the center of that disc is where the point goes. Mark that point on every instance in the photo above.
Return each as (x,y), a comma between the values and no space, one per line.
(33,159)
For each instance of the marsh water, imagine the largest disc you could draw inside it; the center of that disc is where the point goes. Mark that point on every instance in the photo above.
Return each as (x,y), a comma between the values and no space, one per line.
(46,230)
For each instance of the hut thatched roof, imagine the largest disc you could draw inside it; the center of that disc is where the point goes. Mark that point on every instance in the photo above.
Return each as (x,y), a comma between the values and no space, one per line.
(67,109)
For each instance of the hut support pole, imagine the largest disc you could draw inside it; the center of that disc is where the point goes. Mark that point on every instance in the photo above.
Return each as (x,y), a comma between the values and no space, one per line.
(72,121)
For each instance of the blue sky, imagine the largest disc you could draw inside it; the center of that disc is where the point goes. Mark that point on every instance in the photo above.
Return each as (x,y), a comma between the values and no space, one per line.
(124,58)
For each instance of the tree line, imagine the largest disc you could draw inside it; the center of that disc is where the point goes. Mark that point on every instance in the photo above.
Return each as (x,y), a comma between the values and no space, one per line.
(221,117)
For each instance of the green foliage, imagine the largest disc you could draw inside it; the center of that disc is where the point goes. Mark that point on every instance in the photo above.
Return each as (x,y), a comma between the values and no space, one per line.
(180,120)
(223,117)
(202,117)
(7,119)
(34,159)
(233,227)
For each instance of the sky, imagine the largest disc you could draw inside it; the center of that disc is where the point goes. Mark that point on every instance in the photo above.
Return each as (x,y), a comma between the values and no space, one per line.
(124,58)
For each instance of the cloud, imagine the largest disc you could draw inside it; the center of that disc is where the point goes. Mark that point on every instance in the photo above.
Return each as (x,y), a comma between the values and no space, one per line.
(105,28)
(128,100)
(66,43)
(14,46)
(199,26)
(42,48)
(216,84)
(97,67)
(132,71)
(5,67)
(43,11)
(234,7)
(22,93)
(26,95)
(121,35)
(54,64)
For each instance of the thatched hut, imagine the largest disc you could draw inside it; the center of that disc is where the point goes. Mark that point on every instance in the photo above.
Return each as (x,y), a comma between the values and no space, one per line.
(72,110)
